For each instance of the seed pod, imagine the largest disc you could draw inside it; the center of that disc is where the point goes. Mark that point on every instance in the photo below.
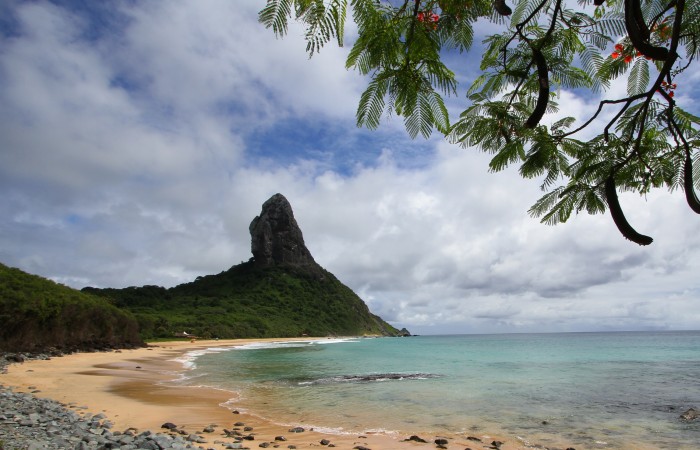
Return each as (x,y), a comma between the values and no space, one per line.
(543,98)
(636,10)
(637,35)
(501,7)
(619,217)
(690,196)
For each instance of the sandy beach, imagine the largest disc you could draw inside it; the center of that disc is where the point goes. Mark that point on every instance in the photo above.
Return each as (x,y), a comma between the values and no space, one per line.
(131,387)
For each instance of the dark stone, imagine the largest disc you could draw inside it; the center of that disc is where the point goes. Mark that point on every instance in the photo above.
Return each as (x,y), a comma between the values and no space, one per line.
(325,442)
(690,415)
(472,438)
(496,444)
(247,428)
(296,430)
(360,447)
(440,441)
(416,439)
(404,333)
(14,357)
(280,438)
(276,239)
(169,426)
(264,445)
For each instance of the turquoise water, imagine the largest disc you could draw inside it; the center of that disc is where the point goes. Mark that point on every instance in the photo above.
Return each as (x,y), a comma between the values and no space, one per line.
(584,390)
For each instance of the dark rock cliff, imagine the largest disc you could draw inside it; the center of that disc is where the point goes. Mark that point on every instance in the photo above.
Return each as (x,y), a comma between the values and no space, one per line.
(276,239)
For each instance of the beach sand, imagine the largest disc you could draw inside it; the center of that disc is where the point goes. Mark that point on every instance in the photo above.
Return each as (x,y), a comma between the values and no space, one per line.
(131,388)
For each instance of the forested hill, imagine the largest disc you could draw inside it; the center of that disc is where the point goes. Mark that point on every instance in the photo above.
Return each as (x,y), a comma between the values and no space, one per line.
(37,314)
(251,301)
(280,292)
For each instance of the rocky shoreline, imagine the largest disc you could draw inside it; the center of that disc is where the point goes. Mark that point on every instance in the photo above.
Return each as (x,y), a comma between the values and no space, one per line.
(32,423)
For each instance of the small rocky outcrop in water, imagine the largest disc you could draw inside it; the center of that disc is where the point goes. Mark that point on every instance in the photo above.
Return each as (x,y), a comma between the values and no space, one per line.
(690,415)
(276,239)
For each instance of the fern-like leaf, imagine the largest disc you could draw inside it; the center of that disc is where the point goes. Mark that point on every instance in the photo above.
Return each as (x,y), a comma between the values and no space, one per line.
(275,15)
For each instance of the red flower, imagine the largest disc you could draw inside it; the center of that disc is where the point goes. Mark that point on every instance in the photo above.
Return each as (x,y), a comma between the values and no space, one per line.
(615,55)
(429,18)
(619,47)
(628,58)
(670,94)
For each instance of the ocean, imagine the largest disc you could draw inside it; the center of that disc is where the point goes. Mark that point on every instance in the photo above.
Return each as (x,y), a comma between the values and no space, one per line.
(581,390)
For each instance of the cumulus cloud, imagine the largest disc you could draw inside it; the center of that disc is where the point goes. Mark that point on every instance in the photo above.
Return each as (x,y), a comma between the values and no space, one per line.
(139,141)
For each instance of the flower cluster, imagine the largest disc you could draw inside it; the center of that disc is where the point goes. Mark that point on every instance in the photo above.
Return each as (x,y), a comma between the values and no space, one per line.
(668,87)
(663,29)
(429,18)
(620,51)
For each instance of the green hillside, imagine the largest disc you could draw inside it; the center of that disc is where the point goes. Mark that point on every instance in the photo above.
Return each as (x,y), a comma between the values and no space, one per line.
(37,314)
(249,301)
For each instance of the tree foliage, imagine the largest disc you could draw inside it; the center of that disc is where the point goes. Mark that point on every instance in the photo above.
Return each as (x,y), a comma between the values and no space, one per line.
(38,314)
(636,141)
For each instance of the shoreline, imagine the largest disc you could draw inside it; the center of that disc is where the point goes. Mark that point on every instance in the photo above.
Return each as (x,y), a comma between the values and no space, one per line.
(134,389)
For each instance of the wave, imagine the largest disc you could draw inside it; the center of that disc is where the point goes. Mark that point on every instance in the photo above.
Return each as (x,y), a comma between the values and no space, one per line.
(188,360)
(369,378)
(291,344)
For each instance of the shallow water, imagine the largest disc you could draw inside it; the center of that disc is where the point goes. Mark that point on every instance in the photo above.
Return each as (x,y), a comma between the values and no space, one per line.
(594,390)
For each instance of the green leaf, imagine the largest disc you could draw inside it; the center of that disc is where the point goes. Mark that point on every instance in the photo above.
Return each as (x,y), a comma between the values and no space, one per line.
(639,77)
(371,107)
(275,14)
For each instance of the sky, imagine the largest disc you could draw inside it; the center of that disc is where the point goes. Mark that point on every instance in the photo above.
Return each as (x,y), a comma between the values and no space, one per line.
(139,139)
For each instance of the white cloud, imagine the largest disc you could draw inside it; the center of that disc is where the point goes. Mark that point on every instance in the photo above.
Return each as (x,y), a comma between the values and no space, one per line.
(131,158)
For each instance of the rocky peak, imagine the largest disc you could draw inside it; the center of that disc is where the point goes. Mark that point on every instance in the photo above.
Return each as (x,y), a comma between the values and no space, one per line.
(276,239)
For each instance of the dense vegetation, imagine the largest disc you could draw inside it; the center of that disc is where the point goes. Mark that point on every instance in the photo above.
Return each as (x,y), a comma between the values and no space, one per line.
(246,301)
(37,313)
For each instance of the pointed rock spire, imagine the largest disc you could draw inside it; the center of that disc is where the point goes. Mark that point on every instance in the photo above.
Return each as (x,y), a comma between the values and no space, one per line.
(276,239)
